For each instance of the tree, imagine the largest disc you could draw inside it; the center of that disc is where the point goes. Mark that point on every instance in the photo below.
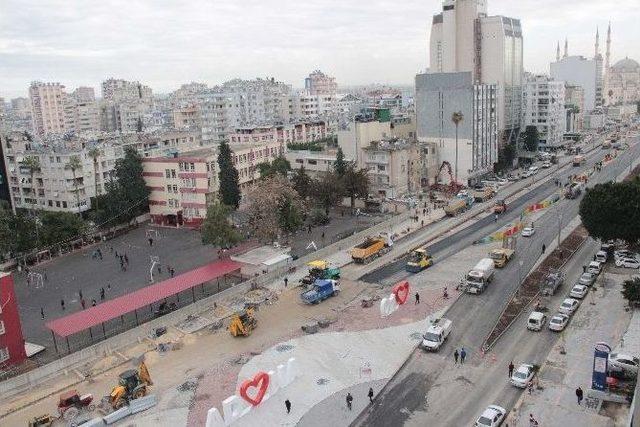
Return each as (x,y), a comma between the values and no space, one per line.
(328,190)
(216,229)
(356,184)
(26,233)
(456,118)
(73,165)
(340,165)
(612,211)
(631,290)
(7,233)
(279,166)
(228,177)
(32,163)
(58,227)
(95,153)
(531,139)
(302,182)
(505,158)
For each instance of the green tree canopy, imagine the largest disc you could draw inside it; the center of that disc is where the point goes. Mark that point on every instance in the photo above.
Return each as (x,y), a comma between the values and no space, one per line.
(340,165)
(612,211)
(302,182)
(57,227)
(228,176)
(356,184)
(74,165)
(531,138)
(328,190)
(216,229)
(279,166)
(631,290)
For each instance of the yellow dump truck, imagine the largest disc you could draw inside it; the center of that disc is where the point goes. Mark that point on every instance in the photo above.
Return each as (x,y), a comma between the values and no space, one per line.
(455,207)
(371,248)
(501,256)
(483,194)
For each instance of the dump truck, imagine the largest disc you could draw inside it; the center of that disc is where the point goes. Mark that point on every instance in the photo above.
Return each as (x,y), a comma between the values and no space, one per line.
(320,269)
(419,259)
(457,205)
(501,256)
(436,334)
(484,194)
(500,206)
(479,277)
(320,291)
(243,323)
(552,281)
(371,248)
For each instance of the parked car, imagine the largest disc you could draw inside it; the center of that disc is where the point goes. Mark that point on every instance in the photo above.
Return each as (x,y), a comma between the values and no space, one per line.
(594,267)
(623,363)
(546,164)
(528,231)
(533,170)
(601,257)
(587,279)
(536,321)
(623,253)
(491,417)
(522,375)
(628,263)
(558,322)
(578,291)
(569,306)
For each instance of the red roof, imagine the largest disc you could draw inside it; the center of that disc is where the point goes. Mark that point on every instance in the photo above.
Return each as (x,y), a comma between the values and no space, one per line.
(92,316)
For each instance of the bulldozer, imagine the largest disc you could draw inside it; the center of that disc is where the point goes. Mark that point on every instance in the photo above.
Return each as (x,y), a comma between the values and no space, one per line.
(243,323)
(132,384)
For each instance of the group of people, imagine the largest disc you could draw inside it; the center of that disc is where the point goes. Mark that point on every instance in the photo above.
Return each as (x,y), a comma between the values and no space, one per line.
(349,400)
(459,355)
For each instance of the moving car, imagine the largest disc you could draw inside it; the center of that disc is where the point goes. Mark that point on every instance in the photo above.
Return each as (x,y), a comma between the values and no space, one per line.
(522,375)
(536,321)
(578,291)
(533,170)
(623,363)
(586,279)
(628,263)
(558,322)
(491,417)
(528,231)
(569,306)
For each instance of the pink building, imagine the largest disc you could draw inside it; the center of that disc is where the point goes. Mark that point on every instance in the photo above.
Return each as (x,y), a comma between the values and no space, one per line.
(12,350)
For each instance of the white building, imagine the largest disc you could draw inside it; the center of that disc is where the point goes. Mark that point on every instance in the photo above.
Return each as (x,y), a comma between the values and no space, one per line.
(583,72)
(544,108)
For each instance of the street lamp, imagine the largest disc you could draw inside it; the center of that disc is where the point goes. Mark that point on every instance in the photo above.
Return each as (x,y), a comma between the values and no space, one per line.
(456,118)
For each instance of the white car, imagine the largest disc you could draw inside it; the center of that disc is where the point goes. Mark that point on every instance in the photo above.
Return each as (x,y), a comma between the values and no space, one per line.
(594,267)
(522,375)
(558,322)
(528,231)
(587,279)
(623,253)
(491,417)
(628,263)
(546,165)
(533,170)
(622,362)
(578,291)
(569,306)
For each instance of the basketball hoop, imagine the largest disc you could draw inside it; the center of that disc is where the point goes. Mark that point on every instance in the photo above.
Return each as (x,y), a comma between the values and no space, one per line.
(154,260)
(36,279)
(152,233)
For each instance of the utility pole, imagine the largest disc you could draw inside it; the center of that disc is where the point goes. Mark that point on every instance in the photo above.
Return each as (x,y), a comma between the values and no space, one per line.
(559,229)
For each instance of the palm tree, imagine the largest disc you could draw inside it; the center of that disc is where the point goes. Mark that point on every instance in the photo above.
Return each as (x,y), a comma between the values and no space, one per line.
(33,164)
(94,153)
(73,165)
(456,118)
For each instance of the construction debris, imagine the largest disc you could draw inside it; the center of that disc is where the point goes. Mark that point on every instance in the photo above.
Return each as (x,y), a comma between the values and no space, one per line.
(326,321)
(310,328)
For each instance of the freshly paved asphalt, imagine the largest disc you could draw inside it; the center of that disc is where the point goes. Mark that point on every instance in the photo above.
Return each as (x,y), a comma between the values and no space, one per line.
(404,399)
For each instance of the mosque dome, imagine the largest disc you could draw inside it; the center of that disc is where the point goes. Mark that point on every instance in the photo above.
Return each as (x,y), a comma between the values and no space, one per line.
(626,65)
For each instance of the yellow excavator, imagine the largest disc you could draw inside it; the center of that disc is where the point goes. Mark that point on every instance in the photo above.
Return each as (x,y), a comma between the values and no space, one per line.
(243,323)
(132,384)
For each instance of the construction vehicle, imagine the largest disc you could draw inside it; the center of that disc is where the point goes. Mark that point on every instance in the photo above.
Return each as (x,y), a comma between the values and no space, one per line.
(132,384)
(243,323)
(579,160)
(455,207)
(479,277)
(500,206)
(71,403)
(372,247)
(501,256)
(320,291)
(484,194)
(419,259)
(552,281)
(320,269)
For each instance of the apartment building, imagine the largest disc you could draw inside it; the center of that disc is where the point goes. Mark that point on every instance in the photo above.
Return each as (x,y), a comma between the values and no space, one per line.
(303,132)
(314,162)
(118,90)
(544,108)
(47,108)
(574,104)
(82,113)
(183,185)
(187,116)
(583,72)
(393,167)
(318,83)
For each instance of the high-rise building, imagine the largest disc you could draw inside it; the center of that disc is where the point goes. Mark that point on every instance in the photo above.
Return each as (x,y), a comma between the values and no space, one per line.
(47,108)
(580,71)
(544,108)
(318,83)
(122,90)
(574,104)
(465,39)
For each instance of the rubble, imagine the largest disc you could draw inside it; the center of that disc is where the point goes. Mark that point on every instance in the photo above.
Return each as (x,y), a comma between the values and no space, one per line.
(310,328)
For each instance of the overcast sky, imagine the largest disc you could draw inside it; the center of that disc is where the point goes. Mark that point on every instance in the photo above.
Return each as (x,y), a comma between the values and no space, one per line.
(165,43)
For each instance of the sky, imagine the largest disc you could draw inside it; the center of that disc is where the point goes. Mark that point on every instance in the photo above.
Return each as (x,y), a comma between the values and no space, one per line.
(165,43)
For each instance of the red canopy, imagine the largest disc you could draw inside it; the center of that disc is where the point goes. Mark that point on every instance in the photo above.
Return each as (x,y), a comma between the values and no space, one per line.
(92,316)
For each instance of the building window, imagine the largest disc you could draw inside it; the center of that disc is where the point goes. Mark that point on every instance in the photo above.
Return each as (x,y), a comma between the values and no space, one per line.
(64,204)
(167,173)
(2,329)
(4,354)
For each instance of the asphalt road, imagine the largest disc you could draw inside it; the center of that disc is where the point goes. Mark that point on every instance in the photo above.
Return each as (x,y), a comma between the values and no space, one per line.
(404,399)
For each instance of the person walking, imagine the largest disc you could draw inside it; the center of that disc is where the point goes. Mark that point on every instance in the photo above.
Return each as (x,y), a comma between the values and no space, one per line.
(455,356)
(579,395)
(287,405)
(172,271)
(83,303)
(93,303)
(80,293)
(42,312)
(544,248)
(463,355)
(150,241)
(349,400)
(126,259)
(370,394)
(159,268)
(495,218)
(417,299)
(101,294)
(511,369)
(445,293)
(62,304)
(530,387)
(286,282)
(532,421)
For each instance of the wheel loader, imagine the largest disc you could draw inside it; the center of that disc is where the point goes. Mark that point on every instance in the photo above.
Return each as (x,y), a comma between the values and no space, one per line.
(132,384)
(243,323)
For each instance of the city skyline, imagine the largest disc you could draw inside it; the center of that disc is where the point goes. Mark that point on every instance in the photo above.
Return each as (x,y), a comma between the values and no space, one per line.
(165,46)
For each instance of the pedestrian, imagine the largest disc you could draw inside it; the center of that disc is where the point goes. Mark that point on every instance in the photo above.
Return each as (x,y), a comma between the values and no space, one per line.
(323,235)
(532,421)
(455,356)
(424,211)
(370,394)
(349,400)
(422,223)
(42,312)
(495,218)
(544,248)
(108,286)
(511,369)
(83,303)
(101,294)
(530,387)
(445,293)
(100,254)
(126,259)
(286,282)
(463,355)
(579,394)
(417,299)
(93,303)
(309,229)
(172,271)
(45,277)
(584,268)
(62,304)
(80,293)
(150,241)
(287,405)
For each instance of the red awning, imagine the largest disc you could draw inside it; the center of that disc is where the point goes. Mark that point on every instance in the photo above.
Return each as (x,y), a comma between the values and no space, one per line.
(93,316)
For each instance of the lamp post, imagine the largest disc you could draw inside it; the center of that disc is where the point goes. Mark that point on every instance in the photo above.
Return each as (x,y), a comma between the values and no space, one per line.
(456,118)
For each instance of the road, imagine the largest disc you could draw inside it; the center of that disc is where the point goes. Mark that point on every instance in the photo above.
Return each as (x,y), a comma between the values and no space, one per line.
(404,400)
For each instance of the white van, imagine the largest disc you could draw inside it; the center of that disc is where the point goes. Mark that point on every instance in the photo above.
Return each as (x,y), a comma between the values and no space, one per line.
(436,334)
(536,321)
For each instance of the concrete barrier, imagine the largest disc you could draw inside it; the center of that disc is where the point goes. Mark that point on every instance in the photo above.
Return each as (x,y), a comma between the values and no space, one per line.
(142,403)
(116,416)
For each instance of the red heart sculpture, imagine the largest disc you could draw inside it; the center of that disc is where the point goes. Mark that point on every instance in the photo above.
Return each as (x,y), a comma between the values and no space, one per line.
(261,382)
(401,291)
